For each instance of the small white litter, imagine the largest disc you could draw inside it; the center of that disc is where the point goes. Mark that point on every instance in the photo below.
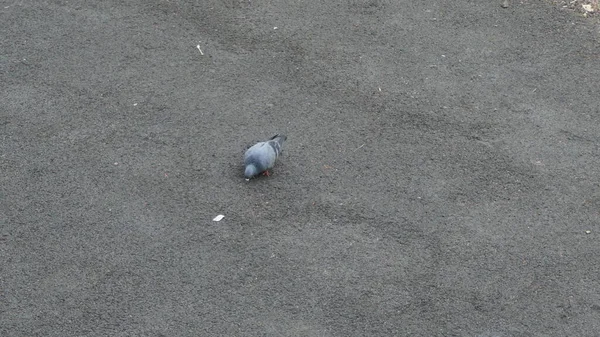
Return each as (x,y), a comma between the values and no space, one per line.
(219,217)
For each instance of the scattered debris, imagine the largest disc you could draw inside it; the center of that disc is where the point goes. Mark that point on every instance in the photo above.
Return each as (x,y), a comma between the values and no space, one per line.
(588,8)
(588,232)
(359,147)
(219,217)
(200,50)
(505,4)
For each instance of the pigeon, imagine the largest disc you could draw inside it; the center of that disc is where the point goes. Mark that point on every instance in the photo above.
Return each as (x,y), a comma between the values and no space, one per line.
(261,156)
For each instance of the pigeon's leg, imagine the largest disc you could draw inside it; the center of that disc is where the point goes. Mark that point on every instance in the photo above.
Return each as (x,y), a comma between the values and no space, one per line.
(266,173)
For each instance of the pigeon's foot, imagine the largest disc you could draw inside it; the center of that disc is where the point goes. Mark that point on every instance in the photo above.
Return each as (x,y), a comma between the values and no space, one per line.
(266,173)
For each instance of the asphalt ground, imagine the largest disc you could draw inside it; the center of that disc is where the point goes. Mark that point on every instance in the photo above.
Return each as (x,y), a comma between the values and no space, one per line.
(440,176)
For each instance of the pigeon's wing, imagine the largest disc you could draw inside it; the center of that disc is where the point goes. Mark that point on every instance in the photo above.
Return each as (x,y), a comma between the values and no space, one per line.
(261,155)
(276,143)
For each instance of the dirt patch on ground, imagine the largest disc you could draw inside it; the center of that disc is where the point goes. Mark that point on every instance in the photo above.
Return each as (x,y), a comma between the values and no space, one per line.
(587,8)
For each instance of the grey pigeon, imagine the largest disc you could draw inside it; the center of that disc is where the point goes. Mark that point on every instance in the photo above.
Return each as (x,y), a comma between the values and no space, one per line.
(261,156)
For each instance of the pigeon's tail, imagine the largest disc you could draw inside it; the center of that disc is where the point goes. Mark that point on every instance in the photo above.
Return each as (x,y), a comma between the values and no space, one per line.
(250,171)
(279,139)
(276,142)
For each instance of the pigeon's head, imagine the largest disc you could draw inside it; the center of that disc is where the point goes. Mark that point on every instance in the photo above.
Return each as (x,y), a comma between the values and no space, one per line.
(251,171)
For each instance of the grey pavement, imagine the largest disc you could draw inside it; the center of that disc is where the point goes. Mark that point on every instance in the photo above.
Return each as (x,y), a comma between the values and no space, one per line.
(440,176)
